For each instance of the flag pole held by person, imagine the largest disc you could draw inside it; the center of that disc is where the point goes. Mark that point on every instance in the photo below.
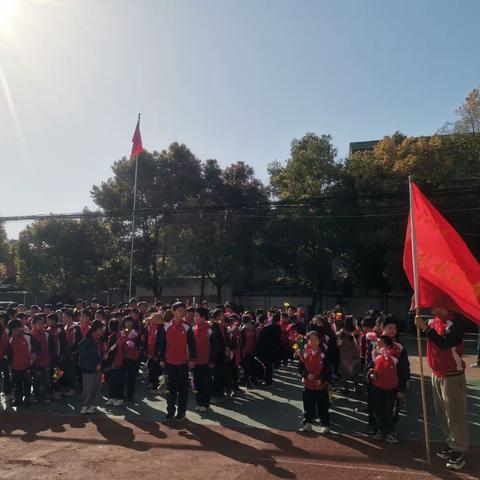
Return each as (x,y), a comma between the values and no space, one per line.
(417,313)
(446,278)
(137,148)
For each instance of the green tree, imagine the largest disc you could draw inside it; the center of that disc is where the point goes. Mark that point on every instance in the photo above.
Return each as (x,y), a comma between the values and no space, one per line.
(309,172)
(220,239)
(6,256)
(303,241)
(380,178)
(166,180)
(69,257)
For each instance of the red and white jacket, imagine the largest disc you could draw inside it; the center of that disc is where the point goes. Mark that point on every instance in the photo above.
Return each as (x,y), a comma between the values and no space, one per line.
(151,339)
(249,340)
(21,348)
(384,373)
(445,347)
(176,343)
(43,359)
(202,334)
(313,363)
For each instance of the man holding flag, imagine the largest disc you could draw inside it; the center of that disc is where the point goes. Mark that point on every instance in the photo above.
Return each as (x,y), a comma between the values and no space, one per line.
(446,278)
(444,356)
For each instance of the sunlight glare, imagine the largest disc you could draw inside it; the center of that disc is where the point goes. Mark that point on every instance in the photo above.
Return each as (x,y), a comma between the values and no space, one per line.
(8,10)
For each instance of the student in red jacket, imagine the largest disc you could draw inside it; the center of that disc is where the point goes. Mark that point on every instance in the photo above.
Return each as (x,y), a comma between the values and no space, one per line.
(444,356)
(42,361)
(114,364)
(176,352)
(202,373)
(384,382)
(4,367)
(131,362)
(26,321)
(314,370)
(22,351)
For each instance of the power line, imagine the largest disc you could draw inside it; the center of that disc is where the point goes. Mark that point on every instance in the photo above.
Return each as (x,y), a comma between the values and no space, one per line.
(273,206)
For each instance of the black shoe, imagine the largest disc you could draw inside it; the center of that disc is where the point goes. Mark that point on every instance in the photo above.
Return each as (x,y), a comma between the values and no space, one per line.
(445,453)
(169,416)
(180,417)
(456,461)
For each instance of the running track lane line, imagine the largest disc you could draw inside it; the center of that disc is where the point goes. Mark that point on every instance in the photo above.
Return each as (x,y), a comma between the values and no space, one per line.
(371,469)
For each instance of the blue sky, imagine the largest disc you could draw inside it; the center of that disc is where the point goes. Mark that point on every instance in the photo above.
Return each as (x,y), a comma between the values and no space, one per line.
(234,80)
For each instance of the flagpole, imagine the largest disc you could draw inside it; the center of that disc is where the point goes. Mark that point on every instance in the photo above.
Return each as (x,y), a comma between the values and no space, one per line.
(417,314)
(133,222)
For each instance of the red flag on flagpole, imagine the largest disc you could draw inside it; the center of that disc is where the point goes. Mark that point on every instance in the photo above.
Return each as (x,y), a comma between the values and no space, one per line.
(448,273)
(137,140)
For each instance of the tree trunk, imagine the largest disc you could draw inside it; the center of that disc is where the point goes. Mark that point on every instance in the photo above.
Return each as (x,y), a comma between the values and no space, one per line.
(202,288)
(317,302)
(155,281)
(162,269)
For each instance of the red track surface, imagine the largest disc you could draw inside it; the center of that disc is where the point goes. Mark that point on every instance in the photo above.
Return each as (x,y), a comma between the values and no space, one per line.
(71,447)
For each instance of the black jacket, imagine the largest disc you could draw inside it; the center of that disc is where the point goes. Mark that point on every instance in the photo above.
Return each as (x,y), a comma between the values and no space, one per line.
(219,342)
(89,355)
(269,341)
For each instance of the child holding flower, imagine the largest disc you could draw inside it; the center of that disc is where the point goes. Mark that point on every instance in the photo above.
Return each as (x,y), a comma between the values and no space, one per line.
(315,376)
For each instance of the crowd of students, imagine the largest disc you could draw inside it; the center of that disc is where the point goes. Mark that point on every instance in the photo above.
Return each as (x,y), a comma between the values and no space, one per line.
(47,354)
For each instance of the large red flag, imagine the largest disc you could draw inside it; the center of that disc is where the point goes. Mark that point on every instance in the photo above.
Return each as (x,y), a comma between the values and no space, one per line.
(449,275)
(137,140)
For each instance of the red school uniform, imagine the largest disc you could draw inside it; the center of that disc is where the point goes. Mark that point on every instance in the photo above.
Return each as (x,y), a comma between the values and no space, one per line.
(21,347)
(202,335)
(444,361)
(43,358)
(385,370)
(117,342)
(84,327)
(249,340)
(314,362)
(237,352)
(151,339)
(179,340)
(132,350)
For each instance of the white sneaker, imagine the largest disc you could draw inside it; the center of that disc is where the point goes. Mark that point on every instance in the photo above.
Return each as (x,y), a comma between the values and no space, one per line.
(203,409)
(92,409)
(475,365)
(110,401)
(391,439)
(84,410)
(308,427)
(198,408)
(118,403)
(324,430)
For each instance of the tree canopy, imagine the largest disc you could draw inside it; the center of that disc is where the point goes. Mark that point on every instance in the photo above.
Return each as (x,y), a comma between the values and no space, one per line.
(322,223)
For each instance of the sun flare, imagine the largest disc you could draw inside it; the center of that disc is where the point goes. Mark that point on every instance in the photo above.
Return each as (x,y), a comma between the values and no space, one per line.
(8,10)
